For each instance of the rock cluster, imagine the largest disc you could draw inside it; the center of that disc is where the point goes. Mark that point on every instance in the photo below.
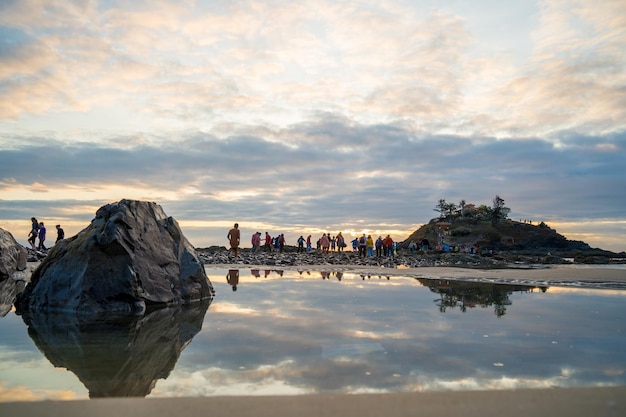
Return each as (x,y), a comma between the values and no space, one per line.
(404,258)
(13,259)
(13,256)
(131,256)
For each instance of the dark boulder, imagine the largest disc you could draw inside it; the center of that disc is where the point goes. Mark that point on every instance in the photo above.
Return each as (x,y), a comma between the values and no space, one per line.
(13,256)
(131,256)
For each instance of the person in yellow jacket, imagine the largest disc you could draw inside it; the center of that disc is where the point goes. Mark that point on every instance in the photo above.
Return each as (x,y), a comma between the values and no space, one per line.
(369,244)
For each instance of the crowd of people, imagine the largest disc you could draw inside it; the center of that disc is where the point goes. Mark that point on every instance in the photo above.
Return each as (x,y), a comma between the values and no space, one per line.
(366,246)
(38,231)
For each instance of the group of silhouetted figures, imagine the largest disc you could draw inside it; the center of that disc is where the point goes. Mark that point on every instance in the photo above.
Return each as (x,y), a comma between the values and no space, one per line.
(38,231)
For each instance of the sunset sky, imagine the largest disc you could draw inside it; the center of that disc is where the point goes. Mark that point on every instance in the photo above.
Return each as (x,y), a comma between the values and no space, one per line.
(313,116)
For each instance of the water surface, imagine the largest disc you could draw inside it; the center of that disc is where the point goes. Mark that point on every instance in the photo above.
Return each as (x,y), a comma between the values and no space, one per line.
(270,332)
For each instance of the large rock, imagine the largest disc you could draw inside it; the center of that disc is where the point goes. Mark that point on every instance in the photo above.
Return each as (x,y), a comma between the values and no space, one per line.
(13,256)
(130,257)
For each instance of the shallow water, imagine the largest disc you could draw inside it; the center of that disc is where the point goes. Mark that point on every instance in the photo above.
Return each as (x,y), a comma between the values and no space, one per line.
(285,332)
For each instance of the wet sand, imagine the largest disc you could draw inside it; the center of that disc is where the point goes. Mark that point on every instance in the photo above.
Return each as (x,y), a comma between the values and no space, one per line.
(570,402)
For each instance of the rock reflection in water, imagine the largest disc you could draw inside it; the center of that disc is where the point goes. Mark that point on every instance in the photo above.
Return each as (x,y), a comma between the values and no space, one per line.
(121,356)
(464,294)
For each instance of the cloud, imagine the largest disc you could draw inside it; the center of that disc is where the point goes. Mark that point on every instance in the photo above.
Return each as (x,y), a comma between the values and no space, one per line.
(326,173)
(315,110)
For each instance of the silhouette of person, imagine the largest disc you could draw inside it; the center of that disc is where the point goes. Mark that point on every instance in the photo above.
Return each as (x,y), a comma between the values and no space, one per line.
(42,236)
(60,233)
(234,236)
(34,232)
(233,278)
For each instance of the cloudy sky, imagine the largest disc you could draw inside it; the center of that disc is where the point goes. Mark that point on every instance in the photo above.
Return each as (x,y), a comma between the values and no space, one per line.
(310,116)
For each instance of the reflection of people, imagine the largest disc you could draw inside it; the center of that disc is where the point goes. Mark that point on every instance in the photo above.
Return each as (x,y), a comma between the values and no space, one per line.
(233,278)
(255,272)
(234,237)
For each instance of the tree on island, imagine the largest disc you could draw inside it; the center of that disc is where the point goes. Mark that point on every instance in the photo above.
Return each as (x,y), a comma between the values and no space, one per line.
(445,209)
(496,213)
(499,212)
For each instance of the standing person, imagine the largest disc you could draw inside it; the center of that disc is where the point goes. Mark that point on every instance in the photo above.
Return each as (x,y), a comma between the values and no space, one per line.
(234,236)
(300,244)
(268,242)
(362,244)
(308,244)
(388,244)
(60,233)
(333,243)
(325,243)
(379,247)
(256,241)
(281,242)
(369,244)
(42,236)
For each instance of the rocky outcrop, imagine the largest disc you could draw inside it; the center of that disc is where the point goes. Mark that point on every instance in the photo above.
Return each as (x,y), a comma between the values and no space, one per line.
(132,255)
(507,235)
(13,256)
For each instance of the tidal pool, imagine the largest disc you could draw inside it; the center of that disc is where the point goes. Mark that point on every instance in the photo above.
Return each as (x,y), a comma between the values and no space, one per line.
(271,332)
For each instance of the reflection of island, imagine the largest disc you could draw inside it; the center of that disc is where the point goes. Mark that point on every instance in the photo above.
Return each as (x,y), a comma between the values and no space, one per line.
(464,294)
(117,357)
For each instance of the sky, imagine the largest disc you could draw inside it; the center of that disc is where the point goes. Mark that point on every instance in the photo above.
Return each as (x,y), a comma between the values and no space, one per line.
(314,116)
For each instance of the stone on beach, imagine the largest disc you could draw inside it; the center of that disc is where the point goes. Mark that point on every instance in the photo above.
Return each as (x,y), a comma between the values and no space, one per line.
(13,256)
(131,256)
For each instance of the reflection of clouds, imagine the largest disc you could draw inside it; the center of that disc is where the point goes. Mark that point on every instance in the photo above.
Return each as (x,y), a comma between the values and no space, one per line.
(231,308)
(290,346)
(299,336)
(23,393)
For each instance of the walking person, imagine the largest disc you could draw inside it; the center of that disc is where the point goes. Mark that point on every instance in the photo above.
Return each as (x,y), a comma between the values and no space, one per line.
(341,243)
(300,244)
(34,232)
(42,237)
(234,236)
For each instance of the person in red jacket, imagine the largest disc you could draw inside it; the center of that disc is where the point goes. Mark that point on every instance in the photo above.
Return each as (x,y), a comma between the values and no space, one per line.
(388,244)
